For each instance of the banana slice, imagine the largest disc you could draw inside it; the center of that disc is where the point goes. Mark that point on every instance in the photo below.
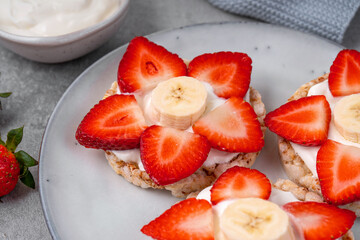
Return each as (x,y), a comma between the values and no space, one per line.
(250,219)
(347,117)
(178,102)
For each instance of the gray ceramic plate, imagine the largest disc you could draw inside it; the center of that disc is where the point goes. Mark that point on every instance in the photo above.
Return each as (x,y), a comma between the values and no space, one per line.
(81,195)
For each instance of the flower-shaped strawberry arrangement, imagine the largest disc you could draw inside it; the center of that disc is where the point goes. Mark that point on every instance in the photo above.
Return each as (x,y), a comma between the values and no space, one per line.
(170,154)
(239,209)
(306,121)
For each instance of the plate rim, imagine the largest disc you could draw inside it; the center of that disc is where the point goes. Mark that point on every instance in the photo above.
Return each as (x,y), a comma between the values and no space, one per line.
(44,206)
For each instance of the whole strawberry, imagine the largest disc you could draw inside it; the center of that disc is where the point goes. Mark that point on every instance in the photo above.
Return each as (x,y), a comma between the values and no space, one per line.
(14,165)
(9,171)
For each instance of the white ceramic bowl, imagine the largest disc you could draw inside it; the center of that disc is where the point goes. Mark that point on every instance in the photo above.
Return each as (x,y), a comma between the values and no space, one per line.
(65,47)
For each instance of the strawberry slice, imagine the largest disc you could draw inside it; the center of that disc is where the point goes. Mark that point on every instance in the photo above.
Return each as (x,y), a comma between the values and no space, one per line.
(240,182)
(304,121)
(227,72)
(338,167)
(115,123)
(169,155)
(344,73)
(188,219)
(321,220)
(145,64)
(232,127)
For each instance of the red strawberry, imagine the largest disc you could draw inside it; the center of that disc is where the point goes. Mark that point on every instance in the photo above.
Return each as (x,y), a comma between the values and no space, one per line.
(240,182)
(9,171)
(169,155)
(304,121)
(227,72)
(115,123)
(145,64)
(14,165)
(186,220)
(338,167)
(321,221)
(344,77)
(232,127)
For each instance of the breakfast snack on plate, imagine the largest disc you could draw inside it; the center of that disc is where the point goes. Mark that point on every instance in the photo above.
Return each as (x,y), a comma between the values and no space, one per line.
(319,131)
(166,125)
(242,205)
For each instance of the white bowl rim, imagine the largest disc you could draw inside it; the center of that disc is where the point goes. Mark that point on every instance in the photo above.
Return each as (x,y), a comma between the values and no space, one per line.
(70,37)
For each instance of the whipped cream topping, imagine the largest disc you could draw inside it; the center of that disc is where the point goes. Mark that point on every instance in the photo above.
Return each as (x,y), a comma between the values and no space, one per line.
(277,196)
(53,18)
(281,197)
(308,154)
(144,101)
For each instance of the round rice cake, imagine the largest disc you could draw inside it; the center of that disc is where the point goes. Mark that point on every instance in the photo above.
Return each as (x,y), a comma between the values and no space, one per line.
(203,177)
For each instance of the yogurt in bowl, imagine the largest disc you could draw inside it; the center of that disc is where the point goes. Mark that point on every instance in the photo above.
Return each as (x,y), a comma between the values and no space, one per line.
(41,18)
(53,31)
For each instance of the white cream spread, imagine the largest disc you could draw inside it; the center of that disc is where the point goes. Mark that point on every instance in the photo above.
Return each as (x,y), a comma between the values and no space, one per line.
(53,18)
(308,154)
(144,101)
(281,197)
(277,196)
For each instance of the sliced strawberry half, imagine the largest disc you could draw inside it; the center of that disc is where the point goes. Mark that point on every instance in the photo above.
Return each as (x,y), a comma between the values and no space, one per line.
(240,182)
(321,220)
(115,123)
(232,127)
(344,77)
(145,64)
(304,121)
(227,72)
(169,155)
(188,219)
(338,167)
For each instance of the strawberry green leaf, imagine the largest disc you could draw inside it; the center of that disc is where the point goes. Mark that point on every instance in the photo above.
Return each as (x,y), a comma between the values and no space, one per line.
(25,159)
(5,94)
(14,138)
(28,179)
(1,141)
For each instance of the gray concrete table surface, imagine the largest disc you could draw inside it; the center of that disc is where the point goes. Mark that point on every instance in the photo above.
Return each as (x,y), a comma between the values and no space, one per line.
(37,88)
